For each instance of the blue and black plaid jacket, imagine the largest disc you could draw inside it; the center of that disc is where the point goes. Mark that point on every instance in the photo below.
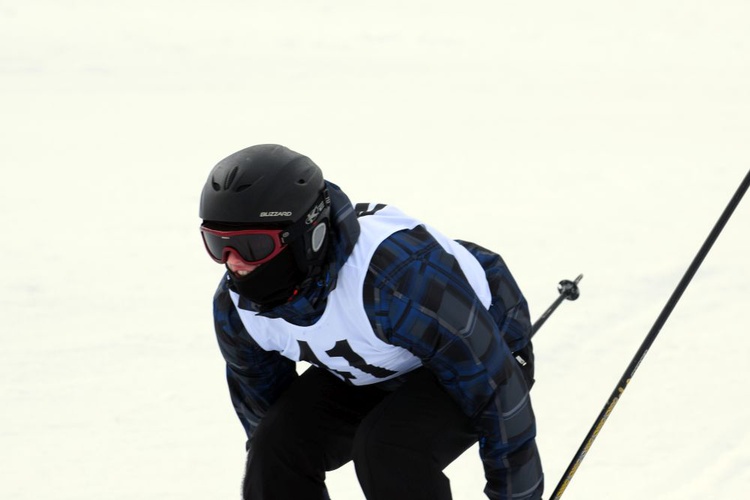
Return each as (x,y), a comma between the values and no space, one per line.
(416,297)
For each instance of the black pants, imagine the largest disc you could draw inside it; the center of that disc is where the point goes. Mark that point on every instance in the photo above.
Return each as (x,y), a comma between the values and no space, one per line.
(400,441)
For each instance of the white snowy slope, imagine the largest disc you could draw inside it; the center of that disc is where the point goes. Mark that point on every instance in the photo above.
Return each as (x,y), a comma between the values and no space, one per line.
(572,137)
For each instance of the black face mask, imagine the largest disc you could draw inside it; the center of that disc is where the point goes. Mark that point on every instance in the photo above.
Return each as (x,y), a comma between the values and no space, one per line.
(272,283)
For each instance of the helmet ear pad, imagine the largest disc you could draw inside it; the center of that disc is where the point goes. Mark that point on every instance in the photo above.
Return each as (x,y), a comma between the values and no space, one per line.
(318,237)
(311,249)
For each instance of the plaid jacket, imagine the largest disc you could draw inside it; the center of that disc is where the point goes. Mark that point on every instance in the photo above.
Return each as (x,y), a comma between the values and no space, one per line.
(416,297)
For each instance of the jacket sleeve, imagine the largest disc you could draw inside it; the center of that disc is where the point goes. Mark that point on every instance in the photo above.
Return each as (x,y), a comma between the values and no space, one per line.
(256,377)
(419,299)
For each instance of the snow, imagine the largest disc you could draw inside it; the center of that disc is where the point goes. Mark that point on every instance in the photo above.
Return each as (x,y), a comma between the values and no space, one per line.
(602,138)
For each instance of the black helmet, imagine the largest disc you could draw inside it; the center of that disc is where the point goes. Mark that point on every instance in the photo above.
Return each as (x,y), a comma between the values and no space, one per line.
(264,184)
(271,185)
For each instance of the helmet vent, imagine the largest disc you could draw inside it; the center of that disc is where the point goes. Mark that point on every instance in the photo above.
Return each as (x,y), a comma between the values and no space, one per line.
(230,177)
(243,187)
(302,181)
(215,184)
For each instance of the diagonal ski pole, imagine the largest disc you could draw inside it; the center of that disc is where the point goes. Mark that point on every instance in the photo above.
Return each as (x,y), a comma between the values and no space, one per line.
(568,290)
(649,340)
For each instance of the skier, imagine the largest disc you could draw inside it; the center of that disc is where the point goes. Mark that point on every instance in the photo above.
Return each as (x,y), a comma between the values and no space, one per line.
(419,345)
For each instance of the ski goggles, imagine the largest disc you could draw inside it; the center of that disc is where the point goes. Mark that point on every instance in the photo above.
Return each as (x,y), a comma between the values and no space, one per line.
(257,246)
(254,246)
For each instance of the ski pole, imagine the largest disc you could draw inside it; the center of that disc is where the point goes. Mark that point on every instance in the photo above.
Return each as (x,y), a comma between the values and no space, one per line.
(643,350)
(568,290)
